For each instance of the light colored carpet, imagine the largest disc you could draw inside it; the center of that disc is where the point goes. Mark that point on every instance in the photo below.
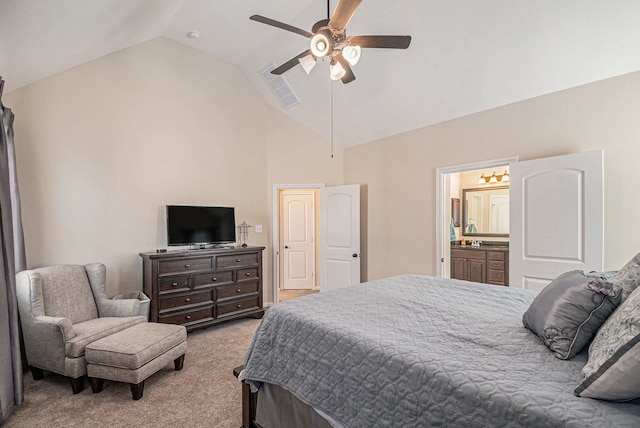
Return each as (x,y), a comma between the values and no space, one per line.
(203,394)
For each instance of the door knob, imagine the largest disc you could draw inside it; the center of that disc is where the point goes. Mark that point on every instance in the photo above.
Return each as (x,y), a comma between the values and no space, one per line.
(354,255)
(286,246)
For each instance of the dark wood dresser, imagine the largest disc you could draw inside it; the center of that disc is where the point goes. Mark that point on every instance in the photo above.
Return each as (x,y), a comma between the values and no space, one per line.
(480,264)
(200,288)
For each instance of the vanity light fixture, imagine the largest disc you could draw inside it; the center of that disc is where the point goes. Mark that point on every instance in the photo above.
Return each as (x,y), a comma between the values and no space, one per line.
(501,178)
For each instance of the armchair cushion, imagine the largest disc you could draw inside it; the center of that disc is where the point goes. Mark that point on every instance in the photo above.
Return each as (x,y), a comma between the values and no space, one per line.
(92,330)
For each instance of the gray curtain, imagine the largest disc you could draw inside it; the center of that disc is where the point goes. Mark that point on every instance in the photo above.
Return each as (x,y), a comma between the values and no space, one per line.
(12,260)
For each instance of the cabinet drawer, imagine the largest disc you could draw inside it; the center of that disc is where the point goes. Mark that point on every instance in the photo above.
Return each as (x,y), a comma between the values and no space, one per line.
(212,278)
(167,267)
(468,254)
(227,309)
(185,300)
(236,290)
(171,285)
(495,276)
(235,260)
(496,265)
(200,315)
(245,274)
(495,255)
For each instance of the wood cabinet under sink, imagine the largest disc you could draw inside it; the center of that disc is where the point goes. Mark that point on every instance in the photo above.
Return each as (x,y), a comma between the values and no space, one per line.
(489,264)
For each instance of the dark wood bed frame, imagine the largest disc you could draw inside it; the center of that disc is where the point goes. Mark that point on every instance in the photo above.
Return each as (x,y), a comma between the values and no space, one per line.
(249,402)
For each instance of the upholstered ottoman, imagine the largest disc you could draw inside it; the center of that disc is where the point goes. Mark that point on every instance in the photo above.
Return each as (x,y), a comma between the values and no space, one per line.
(134,354)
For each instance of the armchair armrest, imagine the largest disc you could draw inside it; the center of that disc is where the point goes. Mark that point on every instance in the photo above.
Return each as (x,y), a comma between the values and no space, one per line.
(97,273)
(53,331)
(119,308)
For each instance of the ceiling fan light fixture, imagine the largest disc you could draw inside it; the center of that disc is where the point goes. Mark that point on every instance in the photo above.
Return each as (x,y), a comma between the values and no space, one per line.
(307,62)
(337,72)
(352,54)
(319,45)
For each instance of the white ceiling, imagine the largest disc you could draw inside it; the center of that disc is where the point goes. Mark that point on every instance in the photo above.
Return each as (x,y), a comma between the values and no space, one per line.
(466,55)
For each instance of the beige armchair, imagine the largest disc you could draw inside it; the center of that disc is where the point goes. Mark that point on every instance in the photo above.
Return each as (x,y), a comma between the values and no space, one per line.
(63,309)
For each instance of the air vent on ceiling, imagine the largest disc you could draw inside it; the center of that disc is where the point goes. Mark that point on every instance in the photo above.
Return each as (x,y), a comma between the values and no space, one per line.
(280,87)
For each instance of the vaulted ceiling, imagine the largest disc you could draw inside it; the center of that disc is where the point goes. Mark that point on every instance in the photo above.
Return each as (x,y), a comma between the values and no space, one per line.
(465,56)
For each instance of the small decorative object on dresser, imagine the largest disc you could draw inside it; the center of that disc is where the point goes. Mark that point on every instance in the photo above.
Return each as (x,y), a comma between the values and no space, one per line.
(200,288)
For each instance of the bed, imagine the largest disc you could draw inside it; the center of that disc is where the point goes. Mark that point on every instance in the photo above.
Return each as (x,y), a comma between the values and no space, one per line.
(415,351)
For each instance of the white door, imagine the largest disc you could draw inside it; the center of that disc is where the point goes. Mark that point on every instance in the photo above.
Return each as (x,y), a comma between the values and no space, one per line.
(557,218)
(499,214)
(298,246)
(339,236)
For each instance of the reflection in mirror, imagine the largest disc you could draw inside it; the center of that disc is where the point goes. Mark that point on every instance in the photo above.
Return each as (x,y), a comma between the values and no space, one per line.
(485,211)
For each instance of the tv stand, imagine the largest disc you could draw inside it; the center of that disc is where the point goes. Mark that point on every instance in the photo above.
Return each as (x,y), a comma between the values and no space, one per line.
(201,288)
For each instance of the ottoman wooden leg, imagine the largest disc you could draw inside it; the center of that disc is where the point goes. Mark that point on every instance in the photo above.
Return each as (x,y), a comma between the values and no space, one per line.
(136,390)
(179,362)
(96,384)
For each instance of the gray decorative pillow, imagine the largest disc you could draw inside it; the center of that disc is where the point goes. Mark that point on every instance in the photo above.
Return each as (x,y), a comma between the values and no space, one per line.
(628,277)
(567,313)
(602,275)
(613,369)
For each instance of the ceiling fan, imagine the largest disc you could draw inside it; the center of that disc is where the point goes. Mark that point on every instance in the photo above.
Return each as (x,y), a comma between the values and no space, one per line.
(329,39)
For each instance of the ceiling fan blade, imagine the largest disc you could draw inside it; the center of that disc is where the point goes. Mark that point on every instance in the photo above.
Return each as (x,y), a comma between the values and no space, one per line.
(281,25)
(348,75)
(291,63)
(388,42)
(343,13)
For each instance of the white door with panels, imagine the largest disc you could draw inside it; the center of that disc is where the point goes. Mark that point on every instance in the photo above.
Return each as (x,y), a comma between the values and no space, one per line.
(557,218)
(339,236)
(298,244)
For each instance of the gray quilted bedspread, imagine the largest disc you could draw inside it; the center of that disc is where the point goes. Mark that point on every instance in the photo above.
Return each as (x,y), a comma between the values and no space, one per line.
(418,351)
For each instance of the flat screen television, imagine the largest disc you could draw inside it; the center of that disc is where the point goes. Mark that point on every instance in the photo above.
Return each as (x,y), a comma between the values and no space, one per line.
(195,225)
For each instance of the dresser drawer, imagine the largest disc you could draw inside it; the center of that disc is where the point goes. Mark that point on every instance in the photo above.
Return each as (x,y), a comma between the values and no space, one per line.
(227,309)
(496,255)
(236,290)
(173,285)
(213,278)
(167,267)
(205,314)
(246,274)
(235,260)
(184,300)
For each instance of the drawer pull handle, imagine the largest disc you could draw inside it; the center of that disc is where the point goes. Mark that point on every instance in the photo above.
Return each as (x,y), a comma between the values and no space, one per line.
(238,260)
(214,279)
(175,284)
(239,306)
(187,265)
(248,274)
(187,300)
(188,317)
(238,291)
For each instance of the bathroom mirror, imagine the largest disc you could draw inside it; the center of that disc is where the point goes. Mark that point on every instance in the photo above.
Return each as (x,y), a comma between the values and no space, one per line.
(485,212)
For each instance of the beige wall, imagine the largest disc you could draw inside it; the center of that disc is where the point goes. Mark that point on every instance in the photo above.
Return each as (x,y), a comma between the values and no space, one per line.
(399,172)
(103,147)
